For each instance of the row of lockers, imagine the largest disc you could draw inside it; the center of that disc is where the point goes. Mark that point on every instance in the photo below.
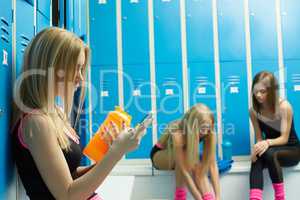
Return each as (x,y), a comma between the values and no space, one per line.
(214,54)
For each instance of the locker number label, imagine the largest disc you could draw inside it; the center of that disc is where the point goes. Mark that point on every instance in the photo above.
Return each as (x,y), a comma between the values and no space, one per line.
(169,92)
(5,58)
(234,90)
(296,88)
(201,90)
(136,93)
(104,94)
(102,1)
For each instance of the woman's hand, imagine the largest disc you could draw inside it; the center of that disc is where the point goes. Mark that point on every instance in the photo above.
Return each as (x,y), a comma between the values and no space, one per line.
(261,147)
(253,157)
(126,139)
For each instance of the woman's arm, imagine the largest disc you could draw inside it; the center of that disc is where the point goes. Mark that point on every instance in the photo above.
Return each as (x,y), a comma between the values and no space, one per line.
(82,170)
(258,136)
(180,161)
(258,133)
(53,167)
(214,173)
(286,113)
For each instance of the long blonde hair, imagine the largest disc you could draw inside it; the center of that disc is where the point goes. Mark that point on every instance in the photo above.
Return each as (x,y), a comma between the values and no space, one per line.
(190,125)
(51,56)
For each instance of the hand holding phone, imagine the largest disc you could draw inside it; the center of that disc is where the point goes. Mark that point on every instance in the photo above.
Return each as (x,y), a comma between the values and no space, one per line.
(143,125)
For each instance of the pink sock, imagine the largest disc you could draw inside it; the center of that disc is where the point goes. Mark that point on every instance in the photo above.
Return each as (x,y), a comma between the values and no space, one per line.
(180,194)
(279,191)
(208,196)
(256,194)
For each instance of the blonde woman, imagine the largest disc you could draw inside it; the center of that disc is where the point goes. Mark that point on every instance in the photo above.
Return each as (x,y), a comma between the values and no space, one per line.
(178,149)
(46,148)
(277,144)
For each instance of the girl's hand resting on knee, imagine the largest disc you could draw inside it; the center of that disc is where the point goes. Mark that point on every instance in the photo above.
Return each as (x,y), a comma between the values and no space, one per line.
(261,147)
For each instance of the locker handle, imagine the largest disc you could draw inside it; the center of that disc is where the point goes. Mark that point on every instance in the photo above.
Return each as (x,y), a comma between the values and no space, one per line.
(24,37)
(24,44)
(22,50)
(4,30)
(4,39)
(4,21)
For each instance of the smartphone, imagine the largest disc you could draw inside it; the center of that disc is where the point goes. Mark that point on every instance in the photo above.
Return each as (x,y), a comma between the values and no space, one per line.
(144,124)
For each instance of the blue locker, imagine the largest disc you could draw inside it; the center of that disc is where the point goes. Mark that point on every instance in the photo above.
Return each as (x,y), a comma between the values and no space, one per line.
(80,18)
(24,31)
(135,35)
(41,22)
(234,93)
(137,102)
(290,28)
(231,30)
(70,14)
(77,17)
(84,18)
(103,32)
(43,6)
(233,68)
(293,89)
(263,30)
(167,31)
(104,93)
(169,94)
(269,65)
(199,31)
(6,163)
(202,87)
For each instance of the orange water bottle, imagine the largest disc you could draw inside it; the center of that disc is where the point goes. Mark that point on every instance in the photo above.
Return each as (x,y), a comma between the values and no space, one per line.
(99,144)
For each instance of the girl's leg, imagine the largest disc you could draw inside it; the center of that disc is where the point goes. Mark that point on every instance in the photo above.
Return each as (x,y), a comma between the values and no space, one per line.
(205,187)
(180,192)
(275,157)
(256,180)
(162,160)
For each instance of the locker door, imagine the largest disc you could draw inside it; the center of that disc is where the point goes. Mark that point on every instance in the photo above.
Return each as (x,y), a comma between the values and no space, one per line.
(103,32)
(104,93)
(235,114)
(290,28)
(169,94)
(80,18)
(137,101)
(168,69)
(136,70)
(41,21)
(6,164)
(199,31)
(293,89)
(202,84)
(233,68)
(43,6)
(231,30)
(24,31)
(263,36)
(291,48)
(77,15)
(135,35)
(167,31)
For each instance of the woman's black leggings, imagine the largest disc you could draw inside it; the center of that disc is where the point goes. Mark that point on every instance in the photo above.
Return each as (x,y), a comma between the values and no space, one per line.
(273,159)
